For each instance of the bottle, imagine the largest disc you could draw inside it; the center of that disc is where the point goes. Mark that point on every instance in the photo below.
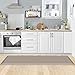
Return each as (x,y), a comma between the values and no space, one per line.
(5,26)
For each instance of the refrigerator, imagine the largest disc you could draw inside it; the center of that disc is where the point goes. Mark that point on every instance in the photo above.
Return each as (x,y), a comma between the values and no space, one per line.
(15,21)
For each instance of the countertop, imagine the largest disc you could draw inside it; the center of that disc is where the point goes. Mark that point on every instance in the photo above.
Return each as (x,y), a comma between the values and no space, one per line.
(52,30)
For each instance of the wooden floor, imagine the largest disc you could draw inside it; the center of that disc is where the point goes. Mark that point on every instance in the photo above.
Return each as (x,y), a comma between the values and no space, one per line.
(36,69)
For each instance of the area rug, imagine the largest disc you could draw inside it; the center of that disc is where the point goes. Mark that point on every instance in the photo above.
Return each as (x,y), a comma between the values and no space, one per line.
(37,60)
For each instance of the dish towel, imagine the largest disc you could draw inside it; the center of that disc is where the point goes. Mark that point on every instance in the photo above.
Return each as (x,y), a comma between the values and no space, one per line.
(14,39)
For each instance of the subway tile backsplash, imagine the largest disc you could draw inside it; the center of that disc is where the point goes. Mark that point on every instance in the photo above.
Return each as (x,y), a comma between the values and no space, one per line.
(50,23)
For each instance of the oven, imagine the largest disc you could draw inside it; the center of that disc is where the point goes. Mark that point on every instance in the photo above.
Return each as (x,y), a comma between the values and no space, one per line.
(12,41)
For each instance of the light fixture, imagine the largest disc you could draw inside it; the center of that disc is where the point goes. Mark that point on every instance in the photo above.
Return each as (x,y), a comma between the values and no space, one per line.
(15,5)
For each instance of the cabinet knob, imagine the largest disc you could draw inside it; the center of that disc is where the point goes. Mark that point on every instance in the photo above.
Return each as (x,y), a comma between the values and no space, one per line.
(11,33)
(73,5)
(51,34)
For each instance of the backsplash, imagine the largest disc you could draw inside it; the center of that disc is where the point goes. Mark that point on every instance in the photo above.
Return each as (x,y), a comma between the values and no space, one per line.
(48,22)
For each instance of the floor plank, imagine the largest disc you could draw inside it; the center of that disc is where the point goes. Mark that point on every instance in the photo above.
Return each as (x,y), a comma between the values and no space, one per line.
(72,59)
(36,69)
(2,57)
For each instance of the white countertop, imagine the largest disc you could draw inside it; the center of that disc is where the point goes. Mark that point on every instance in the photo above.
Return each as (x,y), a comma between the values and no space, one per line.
(52,30)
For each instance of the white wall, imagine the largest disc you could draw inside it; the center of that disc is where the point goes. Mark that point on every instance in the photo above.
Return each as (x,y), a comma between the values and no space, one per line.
(72,23)
(5,3)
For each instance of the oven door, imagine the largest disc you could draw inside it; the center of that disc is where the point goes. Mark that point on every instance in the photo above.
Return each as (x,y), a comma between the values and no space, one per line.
(11,42)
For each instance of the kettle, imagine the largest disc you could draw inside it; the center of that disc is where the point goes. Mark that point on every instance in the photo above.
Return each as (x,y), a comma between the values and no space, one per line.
(4,24)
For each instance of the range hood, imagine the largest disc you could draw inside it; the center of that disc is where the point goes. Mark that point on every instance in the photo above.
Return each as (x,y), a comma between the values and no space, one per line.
(15,5)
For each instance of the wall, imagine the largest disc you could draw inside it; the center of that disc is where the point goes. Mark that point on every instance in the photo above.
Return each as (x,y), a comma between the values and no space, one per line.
(5,3)
(27,3)
(49,22)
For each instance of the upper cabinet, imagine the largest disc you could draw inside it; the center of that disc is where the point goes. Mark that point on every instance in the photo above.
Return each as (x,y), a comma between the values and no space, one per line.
(52,9)
(71,14)
(69,9)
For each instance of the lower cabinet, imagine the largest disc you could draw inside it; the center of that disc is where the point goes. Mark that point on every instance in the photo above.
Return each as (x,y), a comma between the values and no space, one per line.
(56,42)
(46,42)
(67,42)
(43,42)
(29,42)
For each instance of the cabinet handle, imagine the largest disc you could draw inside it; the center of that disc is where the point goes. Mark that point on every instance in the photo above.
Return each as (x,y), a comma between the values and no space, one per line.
(30,47)
(52,34)
(30,39)
(11,33)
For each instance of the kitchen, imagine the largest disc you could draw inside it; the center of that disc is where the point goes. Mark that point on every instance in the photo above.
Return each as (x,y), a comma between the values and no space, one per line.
(37,37)
(27,28)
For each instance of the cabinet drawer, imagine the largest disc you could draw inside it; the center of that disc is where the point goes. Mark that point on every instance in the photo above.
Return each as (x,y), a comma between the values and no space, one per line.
(26,42)
(29,39)
(29,47)
(26,36)
(29,34)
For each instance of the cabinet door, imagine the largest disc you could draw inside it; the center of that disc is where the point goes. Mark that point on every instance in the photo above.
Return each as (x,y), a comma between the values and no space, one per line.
(67,42)
(1,43)
(43,42)
(73,43)
(56,39)
(29,42)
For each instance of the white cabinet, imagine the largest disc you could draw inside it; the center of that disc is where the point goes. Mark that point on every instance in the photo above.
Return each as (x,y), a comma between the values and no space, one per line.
(50,42)
(56,42)
(67,42)
(1,43)
(43,42)
(70,13)
(73,43)
(71,21)
(29,42)
(52,9)
(70,7)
